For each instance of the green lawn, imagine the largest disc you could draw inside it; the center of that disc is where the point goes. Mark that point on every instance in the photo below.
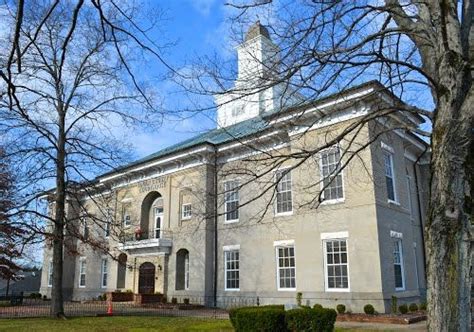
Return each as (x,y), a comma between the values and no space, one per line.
(118,324)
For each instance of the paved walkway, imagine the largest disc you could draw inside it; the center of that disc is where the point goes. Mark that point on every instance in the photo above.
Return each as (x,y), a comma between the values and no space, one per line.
(420,326)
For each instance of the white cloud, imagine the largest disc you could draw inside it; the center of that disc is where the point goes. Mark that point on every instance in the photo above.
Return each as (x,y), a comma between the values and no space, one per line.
(203,7)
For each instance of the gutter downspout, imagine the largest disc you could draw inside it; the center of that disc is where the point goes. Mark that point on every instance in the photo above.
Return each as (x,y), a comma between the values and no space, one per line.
(215,189)
(420,215)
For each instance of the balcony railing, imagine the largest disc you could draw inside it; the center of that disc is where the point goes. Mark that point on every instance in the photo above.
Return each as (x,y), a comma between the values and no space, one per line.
(137,240)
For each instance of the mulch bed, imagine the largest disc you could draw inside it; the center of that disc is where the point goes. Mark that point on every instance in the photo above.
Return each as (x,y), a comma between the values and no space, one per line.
(383,318)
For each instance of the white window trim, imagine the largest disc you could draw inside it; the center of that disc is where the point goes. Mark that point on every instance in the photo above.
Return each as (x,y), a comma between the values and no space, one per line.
(102,272)
(286,213)
(81,259)
(336,290)
(183,217)
(125,215)
(230,221)
(50,273)
(321,184)
(283,244)
(402,264)
(226,249)
(391,152)
(187,272)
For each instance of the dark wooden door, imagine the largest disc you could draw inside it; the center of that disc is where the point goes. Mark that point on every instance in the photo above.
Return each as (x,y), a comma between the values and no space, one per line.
(146,278)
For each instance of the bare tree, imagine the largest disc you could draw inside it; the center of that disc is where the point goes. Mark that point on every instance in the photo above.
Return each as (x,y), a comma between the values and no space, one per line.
(422,46)
(68,81)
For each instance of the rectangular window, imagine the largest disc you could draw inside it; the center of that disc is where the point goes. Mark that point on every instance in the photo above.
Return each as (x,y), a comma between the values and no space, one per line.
(398,265)
(108,221)
(127,219)
(82,272)
(286,267)
(186,271)
(104,273)
(284,201)
(85,229)
(186,211)
(50,273)
(331,174)
(389,176)
(231,200)
(231,261)
(336,266)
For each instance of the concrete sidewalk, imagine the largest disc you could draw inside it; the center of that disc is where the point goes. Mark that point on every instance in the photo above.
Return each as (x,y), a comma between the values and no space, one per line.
(420,326)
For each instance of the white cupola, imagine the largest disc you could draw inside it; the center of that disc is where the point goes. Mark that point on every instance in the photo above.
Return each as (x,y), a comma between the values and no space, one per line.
(256,89)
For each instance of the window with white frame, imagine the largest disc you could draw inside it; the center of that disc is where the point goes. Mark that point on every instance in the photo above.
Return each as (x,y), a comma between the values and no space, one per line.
(389,175)
(284,201)
(50,273)
(186,271)
(127,219)
(331,174)
(336,265)
(104,273)
(85,229)
(231,200)
(186,211)
(286,268)
(398,265)
(108,221)
(82,272)
(231,264)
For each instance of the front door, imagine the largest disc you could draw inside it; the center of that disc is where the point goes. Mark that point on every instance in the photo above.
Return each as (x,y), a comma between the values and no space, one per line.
(146,278)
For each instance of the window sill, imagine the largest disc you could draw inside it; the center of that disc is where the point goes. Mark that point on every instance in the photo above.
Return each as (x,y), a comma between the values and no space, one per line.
(333,201)
(338,290)
(231,221)
(400,289)
(393,202)
(284,214)
(287,289)
(82,286)
(185,218)
(232,290)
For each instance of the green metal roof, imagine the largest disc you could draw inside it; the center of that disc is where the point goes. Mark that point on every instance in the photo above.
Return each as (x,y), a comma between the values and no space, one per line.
(215,137)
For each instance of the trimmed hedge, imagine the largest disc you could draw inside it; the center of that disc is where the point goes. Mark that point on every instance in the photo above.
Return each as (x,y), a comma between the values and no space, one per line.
(369,309)
(341,308)
(266,318)
(413,307)
(318,320)
(403,309)
(274,318)
(423,306)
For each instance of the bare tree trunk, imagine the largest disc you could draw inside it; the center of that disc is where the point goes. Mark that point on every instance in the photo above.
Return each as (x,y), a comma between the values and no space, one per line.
(57,299)
(450,212)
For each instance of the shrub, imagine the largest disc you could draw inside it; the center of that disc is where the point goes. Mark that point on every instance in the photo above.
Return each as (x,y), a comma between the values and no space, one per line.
(317,306)
(369,309)
(163,299)
(265,318)
(174,300)
(341,308)
(299,298)
(320,320)
(423,306)
(394,304)
(186,301)
(45,297)
(403,309)
(128,291)
(413,307)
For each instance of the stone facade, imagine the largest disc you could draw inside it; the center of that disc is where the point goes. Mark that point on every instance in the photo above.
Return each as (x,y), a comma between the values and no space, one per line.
(168,228)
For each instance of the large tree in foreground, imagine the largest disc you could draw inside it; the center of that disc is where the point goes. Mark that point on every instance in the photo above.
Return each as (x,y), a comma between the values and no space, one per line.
(67,83)
(415,48)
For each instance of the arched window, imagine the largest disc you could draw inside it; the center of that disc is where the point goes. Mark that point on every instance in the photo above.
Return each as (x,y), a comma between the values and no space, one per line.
(121,270)
(182,269)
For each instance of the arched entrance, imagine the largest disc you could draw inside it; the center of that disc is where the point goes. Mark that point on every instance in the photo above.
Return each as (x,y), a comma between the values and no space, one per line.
(146,278)
(151,222)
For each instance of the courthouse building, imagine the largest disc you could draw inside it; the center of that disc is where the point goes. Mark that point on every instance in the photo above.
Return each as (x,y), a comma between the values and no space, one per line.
(226,215)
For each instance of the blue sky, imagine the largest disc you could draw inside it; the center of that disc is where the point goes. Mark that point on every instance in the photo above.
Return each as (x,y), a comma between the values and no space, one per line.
(198,28)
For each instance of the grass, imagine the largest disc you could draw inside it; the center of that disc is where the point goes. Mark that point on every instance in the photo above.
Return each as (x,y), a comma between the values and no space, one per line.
(116,324)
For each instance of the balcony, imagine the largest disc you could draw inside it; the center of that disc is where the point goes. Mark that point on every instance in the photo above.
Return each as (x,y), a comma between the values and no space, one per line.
(146,242)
